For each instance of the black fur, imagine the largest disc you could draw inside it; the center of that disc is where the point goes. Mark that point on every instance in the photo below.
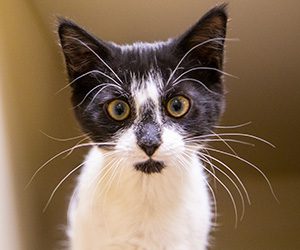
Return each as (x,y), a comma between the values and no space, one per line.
(150,166)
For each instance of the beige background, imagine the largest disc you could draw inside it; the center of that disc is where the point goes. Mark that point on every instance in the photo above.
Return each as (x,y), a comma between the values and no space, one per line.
(266,60)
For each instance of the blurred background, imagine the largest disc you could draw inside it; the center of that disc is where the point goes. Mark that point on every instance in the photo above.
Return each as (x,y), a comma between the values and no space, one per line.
(266,60)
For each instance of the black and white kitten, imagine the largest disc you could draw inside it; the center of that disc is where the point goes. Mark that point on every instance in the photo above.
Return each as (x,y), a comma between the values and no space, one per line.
(143,185)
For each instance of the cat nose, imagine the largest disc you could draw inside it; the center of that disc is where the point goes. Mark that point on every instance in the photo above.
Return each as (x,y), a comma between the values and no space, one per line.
(148,137)
(149,150)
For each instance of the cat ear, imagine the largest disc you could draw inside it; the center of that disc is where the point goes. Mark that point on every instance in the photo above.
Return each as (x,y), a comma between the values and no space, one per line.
(205,40)
(82,51)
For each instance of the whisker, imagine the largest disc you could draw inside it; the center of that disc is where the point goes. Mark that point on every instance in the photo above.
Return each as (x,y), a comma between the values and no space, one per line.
(109,166)
(234,126)
(113,165)
(90,49)
(62,139)
(88,73)
(233,173)
(183,162)
(198,81)
(95,96)
(231,180)
(103,173)
(218,140)
(96,182)
(250,164)
(214,200)
(120,174)
(214,171)
(229,193)
(71,151)
(232,150)
(204,156)
(204,68)
(240,134)
(61,153)
(86,96)
(193,48)
(192,150)
(60,183)
(181,168)
(196,151)
(207,183)
(111,179)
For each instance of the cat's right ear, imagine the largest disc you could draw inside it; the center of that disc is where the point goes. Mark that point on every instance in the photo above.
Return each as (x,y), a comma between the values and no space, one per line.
(83,52)
(204,41)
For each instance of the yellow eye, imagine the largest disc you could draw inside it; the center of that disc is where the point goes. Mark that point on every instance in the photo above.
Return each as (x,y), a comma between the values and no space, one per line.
(178,106)
(118,110)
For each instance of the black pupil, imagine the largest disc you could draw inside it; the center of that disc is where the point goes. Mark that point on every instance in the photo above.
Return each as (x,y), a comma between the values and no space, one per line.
(119,109)
(176,105)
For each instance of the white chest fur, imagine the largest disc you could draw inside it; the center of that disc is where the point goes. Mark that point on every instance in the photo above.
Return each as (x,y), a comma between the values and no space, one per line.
(125,209)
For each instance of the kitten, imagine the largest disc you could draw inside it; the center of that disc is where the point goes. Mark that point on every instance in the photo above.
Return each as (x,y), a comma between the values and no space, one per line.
(144,107)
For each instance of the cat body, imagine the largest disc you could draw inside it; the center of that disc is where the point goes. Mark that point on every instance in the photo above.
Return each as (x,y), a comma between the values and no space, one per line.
(145,107)
(140,212)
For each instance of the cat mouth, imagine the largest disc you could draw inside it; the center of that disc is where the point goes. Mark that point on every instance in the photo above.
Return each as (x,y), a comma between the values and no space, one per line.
(150,166)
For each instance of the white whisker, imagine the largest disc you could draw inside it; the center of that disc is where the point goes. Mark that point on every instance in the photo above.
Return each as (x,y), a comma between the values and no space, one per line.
(239,134)
(195,140)
(232,150)
(60,183)
(233,173)
(61,153)
(90,49)
(95,96)
(250,164)
(88,73)
(192,49)
(93,89)
(214,200)
(230,179)
(63,139)
(71,151)
(234,126)
(108,167)
(204,156)
(203,68)
(99,177)
(229,193)
(204,179)
(109,183)
(196,151)
(198,81)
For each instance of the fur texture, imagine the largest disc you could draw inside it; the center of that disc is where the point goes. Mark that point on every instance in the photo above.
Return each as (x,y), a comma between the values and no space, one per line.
(143,185)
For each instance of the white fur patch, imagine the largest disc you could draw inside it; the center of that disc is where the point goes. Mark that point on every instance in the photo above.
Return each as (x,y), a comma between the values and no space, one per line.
(146,89)
(117,207)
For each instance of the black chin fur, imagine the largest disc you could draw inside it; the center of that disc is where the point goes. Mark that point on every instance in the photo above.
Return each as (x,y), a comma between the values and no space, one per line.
(150,166)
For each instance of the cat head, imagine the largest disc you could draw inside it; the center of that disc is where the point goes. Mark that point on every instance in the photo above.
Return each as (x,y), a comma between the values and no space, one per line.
(148,102)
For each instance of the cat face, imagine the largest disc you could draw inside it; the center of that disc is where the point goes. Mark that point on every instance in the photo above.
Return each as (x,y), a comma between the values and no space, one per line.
(150,100)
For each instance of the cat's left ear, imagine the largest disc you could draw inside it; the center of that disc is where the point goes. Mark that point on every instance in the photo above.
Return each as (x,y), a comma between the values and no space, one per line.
(83,52)
(204,42)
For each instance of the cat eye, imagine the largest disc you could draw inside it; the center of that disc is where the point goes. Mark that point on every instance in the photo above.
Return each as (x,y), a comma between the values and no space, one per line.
(119,110)
(178,106)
